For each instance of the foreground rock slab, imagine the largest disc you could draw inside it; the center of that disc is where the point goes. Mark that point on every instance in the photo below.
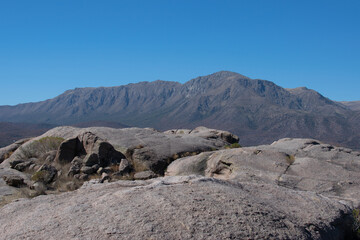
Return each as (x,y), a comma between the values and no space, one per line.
(299,164)
(187,207)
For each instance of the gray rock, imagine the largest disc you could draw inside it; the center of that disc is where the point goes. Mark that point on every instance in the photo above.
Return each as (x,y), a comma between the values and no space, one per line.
(144,175)
(50,156)
(22,166)
(207,133)
(71,186)
(39,187)
(177,208)
(87,170)
(45,174)
(14,181)
(82,176)
(34,167)
(104,170)
(107,154)
(75,167)
(88,140)
(91,159)
(300,164)
(124,167)
(8,193)
(6,152)
(68,150)
(104,177)
(15,162)
(100,170)
(95,167)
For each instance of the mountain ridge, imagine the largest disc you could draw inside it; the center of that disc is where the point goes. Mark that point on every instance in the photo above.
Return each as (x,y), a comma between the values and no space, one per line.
(259,111)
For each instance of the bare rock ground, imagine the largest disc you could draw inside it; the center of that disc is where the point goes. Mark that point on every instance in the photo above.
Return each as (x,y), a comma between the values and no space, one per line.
(181,207)
(301,164)
(291,189)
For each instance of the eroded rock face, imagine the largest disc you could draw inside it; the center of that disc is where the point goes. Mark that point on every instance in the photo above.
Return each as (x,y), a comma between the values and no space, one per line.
(177,208)
(148,148)
(76,155)
(6,152)
(69,149)
(301,164)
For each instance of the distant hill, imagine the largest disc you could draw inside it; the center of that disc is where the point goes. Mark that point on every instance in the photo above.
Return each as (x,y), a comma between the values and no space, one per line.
(10,132)
(354,105)
(258,111)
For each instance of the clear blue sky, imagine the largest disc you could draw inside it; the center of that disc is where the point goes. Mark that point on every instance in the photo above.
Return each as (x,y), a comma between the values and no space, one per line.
(49,46)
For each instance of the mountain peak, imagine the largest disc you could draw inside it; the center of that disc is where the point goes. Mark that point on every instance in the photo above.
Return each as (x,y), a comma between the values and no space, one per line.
(226,74)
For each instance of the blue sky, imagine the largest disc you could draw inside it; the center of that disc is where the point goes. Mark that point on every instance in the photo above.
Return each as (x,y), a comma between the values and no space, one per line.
(47,47)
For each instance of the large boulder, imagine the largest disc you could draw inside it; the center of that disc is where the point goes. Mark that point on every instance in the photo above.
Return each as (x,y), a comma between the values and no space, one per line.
(188,207)
(7,192)
(207,133)
(14,181)
(301,164)
(46,174)
(69,149)
(144,175)
(97,150)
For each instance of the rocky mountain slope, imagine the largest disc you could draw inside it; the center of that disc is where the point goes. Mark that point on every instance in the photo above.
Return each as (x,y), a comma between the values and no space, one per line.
(291,189)
(354,105)
(257,110)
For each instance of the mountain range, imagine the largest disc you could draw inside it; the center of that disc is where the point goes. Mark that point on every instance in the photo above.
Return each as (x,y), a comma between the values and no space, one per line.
(258,111)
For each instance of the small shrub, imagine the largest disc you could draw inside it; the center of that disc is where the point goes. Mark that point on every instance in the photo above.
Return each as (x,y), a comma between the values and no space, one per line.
(256,152)
(114,168)
(290,159)
(38,176)
(234,145)
(39,147)
(356,221)
(47,144)
(8,154)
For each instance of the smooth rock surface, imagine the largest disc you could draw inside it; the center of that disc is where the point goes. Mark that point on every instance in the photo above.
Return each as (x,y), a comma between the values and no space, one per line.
(301,164)
(188,207)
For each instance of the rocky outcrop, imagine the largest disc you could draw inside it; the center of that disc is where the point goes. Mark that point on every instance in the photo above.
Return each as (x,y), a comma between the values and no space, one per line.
(207,133)
(64,157)
(188,207)
(146,149)
(6,152)
(291,189)
(300,164)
